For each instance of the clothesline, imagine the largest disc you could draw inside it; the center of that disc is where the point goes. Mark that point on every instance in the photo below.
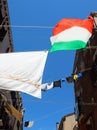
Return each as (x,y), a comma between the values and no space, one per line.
(48,115)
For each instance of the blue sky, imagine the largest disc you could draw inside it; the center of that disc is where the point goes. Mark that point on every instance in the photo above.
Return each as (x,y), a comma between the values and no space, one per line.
(57,102)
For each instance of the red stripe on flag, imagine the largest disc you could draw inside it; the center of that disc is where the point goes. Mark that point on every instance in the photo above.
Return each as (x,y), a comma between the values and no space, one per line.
(67,23)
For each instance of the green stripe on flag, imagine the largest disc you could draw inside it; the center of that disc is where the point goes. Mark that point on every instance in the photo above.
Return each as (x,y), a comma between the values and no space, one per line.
(71,45)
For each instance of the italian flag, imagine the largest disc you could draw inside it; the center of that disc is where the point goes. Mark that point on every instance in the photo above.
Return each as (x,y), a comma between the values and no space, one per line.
(71,34)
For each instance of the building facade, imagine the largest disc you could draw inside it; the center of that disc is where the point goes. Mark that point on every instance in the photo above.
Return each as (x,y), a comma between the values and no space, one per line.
(68,122)
(86,87)
(11,108)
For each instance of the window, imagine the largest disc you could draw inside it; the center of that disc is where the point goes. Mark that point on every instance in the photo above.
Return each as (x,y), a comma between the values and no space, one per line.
(1,18)
(2,33)
(78,107)
(94,73)
(89,124)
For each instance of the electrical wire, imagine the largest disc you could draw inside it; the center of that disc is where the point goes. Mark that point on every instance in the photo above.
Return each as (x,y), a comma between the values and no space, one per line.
(49,102)
(27,26)
(55,112)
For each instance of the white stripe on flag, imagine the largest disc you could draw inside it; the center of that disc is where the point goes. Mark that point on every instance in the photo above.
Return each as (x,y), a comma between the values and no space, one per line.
(73,33)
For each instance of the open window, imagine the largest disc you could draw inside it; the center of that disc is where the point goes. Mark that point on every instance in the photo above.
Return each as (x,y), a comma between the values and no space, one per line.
(2,33)
(2,29)
(1,18)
